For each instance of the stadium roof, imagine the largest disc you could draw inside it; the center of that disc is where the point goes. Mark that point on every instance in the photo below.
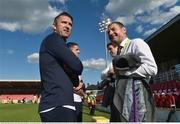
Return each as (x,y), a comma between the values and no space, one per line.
(19,83)
(20,80)
(164,43)
(92,87)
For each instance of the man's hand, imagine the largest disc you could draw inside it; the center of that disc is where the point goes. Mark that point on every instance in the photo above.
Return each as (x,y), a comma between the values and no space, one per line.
(111,72)
(78,87)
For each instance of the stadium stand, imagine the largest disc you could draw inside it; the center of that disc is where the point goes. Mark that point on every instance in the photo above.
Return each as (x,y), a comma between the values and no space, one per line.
(19,91)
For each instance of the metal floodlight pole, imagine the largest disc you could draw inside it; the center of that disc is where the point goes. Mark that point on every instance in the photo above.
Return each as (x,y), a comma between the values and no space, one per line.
(105,45)
(103,28)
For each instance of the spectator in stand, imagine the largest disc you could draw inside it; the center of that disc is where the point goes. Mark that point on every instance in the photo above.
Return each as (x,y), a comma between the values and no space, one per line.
(24,100)
(78,91)
(171,101)
(176,95)
(157,99)
(163,100)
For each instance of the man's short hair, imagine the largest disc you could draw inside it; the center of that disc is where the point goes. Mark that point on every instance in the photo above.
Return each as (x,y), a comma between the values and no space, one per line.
(118,23)
(71,44)
(62,14)
(114,44)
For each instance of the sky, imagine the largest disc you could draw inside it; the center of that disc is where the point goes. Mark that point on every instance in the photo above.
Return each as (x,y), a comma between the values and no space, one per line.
(25,23)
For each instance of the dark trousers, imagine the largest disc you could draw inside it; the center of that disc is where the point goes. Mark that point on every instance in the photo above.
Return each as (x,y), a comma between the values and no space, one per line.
(59,114)
(78,106)
(92,109)
(114,114)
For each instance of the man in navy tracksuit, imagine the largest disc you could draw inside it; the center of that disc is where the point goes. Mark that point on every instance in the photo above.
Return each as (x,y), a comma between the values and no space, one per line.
(57,104)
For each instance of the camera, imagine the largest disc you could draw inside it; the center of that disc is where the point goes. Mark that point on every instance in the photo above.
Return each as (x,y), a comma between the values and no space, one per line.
(106,82)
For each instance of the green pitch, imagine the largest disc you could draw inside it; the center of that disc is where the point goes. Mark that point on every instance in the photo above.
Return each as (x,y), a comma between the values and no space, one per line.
(28,113)
(19,113)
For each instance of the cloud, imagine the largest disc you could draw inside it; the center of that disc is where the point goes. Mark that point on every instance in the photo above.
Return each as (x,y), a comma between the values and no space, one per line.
(139,29)
(146,13)
(9,26)
(94,64)
(58,1)
(149,32)
(91,64)
(125,7)
(125,20)
(62,1)
(129,11)
(154,4)
(158,17)
(28,15)
(33,58)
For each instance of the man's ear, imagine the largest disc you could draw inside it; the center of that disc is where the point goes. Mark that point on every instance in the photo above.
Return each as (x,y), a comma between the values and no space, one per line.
(54,27)
(124,29)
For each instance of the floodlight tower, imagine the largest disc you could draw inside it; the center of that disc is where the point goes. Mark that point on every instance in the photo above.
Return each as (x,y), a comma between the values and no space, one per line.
(103,28)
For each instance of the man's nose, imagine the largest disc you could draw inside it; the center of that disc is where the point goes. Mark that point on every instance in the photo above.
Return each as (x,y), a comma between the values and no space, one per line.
(67,26)
(110,32)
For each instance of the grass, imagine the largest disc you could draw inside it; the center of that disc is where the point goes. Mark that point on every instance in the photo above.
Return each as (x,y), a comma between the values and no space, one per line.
(19,113)
(29,113)
(88,118)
